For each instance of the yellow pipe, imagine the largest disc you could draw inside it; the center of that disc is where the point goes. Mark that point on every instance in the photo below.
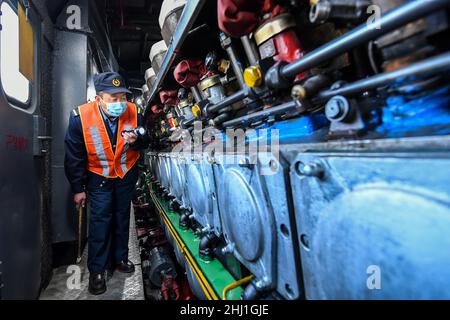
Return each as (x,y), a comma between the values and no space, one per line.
(234,285)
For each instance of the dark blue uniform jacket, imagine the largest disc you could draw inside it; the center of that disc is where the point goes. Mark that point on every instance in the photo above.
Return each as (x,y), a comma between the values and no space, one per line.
(76,156)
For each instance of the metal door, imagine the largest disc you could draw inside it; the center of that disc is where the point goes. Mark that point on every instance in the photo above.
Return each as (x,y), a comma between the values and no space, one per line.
(22,132)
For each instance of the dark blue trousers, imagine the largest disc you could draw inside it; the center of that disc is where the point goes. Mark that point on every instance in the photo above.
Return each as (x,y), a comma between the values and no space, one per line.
(109,220)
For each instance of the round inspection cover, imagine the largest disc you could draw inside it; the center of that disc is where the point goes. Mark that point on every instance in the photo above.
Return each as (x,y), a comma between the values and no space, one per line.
(198,194)
(242,215)
(392,238)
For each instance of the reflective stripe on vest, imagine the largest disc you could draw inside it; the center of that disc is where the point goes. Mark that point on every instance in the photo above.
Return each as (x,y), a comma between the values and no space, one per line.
(123,158)
(102,159)
(99,150)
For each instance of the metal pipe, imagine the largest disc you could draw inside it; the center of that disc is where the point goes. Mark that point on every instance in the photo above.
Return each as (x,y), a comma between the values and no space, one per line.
(236,66)
(206,247)
(187,123)
(226,44)
(235,97)
(430,66)
(196,94)
(256,116)
(221,118)
(250,50)
(390,21)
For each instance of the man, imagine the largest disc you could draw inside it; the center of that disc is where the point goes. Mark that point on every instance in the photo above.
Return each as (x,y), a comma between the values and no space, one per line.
(101,162)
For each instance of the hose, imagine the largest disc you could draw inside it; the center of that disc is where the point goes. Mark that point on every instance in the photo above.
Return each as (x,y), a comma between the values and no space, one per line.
(235,285)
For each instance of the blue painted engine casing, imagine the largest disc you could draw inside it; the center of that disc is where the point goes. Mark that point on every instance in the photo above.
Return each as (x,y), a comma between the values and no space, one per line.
(368,214)
(416,113)
(289,131)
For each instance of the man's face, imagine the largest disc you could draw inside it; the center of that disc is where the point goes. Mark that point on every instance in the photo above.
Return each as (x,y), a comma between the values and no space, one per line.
(108,98)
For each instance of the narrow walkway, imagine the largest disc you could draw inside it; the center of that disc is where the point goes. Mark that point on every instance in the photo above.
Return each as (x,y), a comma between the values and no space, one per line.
(119,287)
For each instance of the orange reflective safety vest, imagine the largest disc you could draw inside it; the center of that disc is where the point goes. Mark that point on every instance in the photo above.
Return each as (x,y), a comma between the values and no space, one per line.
(102,159)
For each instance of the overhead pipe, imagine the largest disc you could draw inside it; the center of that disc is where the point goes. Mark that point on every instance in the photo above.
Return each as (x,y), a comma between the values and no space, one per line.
(430,66)
(235,97)
(278,75)
(392,20)
(290,106)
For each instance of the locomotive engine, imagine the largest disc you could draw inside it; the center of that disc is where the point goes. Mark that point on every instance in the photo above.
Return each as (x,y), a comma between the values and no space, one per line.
(303,145)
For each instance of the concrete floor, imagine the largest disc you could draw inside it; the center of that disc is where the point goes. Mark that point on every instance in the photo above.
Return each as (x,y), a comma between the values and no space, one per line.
(120,286)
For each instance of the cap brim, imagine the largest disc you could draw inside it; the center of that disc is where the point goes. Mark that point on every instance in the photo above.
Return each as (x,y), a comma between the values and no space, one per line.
(117,90)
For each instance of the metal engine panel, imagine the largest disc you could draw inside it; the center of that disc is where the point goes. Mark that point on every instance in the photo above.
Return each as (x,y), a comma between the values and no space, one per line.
(201,191)
(382,214)
(256,221)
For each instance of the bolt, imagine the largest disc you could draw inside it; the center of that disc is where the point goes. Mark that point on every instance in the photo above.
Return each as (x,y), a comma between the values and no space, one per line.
(262,284)
(320,12)
(205,229)
(229,248)
(337,109)
(333,109)
(210,159)
(298,92)
(225,41)
(245,163)
(313,169)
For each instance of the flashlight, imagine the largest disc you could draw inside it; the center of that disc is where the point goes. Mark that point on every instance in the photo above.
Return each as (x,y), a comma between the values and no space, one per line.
(139,131)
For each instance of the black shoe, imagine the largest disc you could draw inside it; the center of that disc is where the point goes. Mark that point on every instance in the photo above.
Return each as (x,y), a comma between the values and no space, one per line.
(97,283)
(109,273)
(125,266)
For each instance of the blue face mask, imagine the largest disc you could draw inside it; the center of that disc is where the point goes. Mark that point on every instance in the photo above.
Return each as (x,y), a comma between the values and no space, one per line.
(116,109)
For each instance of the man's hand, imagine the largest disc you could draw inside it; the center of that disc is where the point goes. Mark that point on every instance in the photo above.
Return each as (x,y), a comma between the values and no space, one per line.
(80,200)
(130,137)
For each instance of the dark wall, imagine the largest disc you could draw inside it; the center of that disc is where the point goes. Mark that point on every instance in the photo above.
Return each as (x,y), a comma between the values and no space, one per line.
(76,52)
